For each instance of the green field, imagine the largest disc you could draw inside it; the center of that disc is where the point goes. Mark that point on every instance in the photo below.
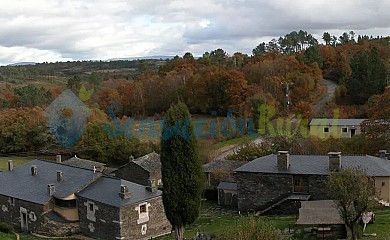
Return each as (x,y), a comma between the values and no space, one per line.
(17,161)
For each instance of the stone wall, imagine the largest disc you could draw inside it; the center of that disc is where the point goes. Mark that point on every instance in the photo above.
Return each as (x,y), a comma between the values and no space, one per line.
(255,190)
(55,228)
(146,228)
(133,173)
(10,213)
(123,223)
(105,222)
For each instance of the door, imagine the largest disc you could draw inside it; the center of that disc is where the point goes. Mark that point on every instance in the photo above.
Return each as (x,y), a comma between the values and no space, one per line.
(23,219)
(353,132)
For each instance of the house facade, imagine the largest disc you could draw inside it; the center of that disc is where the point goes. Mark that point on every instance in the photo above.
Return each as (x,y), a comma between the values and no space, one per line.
(126,210)
(336,128)
(142,169)
(276,178)
(56,199)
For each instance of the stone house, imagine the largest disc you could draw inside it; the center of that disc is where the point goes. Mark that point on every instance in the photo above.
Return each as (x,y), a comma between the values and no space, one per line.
(337,128)
(142,169)
(273,180)
(52,198)
(126,210)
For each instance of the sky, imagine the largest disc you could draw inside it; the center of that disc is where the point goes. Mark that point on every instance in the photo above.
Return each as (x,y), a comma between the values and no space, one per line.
(63,30)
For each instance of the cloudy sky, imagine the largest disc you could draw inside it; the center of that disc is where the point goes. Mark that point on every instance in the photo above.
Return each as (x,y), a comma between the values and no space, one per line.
(61,30)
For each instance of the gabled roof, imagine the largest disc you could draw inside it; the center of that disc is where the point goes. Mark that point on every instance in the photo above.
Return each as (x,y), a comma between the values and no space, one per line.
(335,122)
(227,186)
(319,212)
(21,184)
(150,162)
(106,190)
(317,165)
(226,165)
(83,163)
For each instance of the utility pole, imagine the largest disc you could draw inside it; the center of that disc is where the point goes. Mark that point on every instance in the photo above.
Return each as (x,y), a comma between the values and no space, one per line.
(287,91)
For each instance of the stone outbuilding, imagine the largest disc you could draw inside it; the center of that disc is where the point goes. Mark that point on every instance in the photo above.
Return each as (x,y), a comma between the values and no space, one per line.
(142,169)
(227,194)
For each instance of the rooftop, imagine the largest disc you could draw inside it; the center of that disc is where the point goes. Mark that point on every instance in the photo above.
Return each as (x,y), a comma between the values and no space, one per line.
(21,184)
(110,195)
(227,165)
(150,162)
(319,212)
(83,163)
(317,165)
(335,122)
(227,186)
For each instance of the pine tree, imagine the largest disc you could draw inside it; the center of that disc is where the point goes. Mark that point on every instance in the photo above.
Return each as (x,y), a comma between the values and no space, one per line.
(182,174)
(368,76)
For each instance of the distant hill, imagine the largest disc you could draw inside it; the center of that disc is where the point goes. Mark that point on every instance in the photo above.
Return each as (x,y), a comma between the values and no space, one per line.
(141,58)
(22,64)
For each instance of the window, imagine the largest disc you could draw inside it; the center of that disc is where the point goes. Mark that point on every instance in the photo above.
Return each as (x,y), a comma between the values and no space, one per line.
(90,207)
(344,130)
(142,208)
(383,184)
(301,184)
(326,129)
(65,203)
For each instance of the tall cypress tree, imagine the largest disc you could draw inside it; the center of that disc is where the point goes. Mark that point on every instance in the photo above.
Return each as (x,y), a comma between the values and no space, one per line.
(181,169)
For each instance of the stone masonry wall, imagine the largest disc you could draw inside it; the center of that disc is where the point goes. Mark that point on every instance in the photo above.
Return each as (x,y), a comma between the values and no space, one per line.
(257,189)
(156,225)
(133,173)
(10,213)
(103,224)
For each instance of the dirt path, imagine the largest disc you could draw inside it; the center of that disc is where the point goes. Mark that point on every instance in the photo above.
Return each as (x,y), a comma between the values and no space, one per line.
(330,89)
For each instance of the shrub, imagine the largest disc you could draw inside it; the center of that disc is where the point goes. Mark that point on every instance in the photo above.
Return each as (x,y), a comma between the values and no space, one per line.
(254,228)
(6,228)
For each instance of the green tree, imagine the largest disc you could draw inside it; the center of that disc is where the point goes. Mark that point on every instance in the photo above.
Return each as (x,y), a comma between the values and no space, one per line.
(368,76)
(313,54)
(259,50)
(182,174)
(353,193)
(31,96)
(327,38)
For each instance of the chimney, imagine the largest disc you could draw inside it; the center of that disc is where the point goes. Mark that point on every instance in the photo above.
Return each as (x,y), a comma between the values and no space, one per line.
(34,170)
(51,189)
(60,176)
(334,161)
(124,194)
(58,159)
(383,154)
(10,165)
(151,185)
(283,158)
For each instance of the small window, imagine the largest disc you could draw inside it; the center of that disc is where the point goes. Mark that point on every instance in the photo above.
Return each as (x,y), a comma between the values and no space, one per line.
(91,207)
(326,129)
(383,184)
(344,130)
(142,208)
(12,201)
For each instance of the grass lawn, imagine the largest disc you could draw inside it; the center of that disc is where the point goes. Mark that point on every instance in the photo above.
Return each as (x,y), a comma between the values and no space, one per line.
(215,219)
(17,161)
(381,226)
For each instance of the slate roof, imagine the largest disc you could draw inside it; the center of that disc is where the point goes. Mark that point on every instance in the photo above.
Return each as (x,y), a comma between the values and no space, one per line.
(317,165)
(20,184)
(227,186)
(110,195)
(83,163)
(150,162)
(227,165)
(335,122)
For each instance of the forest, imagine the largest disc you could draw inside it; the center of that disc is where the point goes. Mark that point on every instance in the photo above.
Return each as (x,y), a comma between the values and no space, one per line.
(286,74)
